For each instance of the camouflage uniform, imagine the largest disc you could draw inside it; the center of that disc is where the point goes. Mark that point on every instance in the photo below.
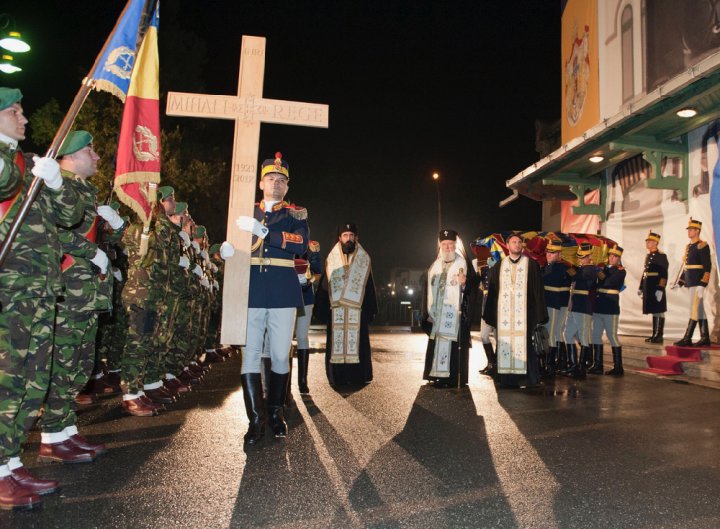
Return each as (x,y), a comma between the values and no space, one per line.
(30,280)
(112,331)
(180,344)
(212,338)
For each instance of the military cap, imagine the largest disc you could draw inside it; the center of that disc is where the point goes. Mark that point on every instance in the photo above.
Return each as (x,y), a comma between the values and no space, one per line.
(447,235)
(9,96)
(348,226)
(75,141)
(553,247)
(200,231)
(115,205)
(616,250)
(164,192)
(180,208)
(215,248)
(692,223)
(278,165)
(652,236)
(584,250)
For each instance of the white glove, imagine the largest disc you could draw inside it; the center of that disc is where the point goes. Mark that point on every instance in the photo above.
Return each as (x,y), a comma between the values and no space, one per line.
(111,216)
(185,238)
(227,250)
(216,285)
(213,267)
(658,295)
(302,278)
(700,291)
(204,282)
(252,225)
(101,261)
(196,246)
(204,255)
(198,271)
(675,287)
(639,293)
(184,262)
(49,171)
(490,262)
(117,274)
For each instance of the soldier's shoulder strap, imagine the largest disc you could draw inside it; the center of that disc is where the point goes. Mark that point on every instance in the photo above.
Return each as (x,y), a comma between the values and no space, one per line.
(297,212)
(702,244)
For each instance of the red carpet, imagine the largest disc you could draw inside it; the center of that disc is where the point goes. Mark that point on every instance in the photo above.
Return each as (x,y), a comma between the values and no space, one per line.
(671,362)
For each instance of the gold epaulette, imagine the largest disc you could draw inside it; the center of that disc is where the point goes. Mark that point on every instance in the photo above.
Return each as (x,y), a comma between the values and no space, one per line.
(297,212)
(701,245)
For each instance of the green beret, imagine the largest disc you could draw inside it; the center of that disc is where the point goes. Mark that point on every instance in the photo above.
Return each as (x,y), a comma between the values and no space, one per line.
(215,248)
(180,208)
(164,192)
(115,205)
(75,141)
(199,231)
(9,96)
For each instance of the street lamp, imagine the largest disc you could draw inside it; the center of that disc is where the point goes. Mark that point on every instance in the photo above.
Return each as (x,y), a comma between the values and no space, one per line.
(436,177)
(10,38)
(6,64)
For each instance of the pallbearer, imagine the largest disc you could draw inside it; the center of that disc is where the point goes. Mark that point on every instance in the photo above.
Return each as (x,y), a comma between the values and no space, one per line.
(606,313)
(578,325)
(652,286)
(556,283)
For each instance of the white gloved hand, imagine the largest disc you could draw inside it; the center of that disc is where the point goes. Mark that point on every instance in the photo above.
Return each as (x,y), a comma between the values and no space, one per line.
(490,262)
(302,278)
(204,282)
(48,170)
(227,250)
(658,295)
(198,271)
(216,285)
(675,287)
(639,293)
(111,216)
(252,225)
(101,261)
(117,274)
(700,291)
(196,246)
(184,262)
(185,238)
(213,267)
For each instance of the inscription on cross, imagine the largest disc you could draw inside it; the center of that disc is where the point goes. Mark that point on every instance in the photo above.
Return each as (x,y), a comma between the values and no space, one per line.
(248,109)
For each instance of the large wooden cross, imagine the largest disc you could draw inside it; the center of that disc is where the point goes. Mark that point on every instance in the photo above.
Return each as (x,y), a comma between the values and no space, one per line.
(248,109)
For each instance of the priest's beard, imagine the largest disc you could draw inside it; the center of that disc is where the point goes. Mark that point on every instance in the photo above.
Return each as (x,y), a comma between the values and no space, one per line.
(448,257)
(348,247)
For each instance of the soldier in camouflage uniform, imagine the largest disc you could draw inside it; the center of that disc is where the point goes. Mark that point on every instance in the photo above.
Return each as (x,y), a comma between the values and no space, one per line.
(30,280)
(87,290)
(213,352)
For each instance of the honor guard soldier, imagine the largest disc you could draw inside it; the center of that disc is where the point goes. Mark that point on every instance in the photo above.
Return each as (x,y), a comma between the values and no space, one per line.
(557,296)
(611,280)
(279,232)
(579,320)
(695,277)
(652,286)
(308,269)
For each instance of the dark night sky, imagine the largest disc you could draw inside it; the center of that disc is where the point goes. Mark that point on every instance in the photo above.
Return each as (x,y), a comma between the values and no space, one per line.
(414,86)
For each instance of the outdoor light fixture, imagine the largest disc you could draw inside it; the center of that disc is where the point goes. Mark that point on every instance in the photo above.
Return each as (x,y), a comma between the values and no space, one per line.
(435,176)
(686,113)
(6,65)
(10,39)
(596,158)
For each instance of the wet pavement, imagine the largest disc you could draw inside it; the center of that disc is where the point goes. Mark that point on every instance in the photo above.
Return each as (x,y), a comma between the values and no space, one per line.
(633,452)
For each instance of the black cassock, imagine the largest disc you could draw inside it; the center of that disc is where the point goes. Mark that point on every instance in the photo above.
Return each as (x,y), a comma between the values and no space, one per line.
(459,350)
(536,315)
(339,374)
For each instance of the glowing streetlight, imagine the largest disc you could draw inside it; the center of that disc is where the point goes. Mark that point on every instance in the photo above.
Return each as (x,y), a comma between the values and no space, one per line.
(10,38)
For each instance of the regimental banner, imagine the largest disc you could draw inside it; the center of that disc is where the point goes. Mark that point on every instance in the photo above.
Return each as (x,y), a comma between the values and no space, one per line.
(580,69)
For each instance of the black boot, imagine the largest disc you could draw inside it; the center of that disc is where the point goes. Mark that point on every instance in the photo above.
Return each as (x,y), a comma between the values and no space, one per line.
(491,359)
(289,400)
(303,361)
(655,328)
(562,361)
(704,335)
(276,398)
(579,372)
(265,365)
(687,339)
(597,367)
(572,356)
(658,336)
(254,407)
(617,369)
(551,362)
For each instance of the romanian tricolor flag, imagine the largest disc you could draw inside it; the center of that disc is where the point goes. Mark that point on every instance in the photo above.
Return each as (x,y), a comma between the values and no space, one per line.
(138,156)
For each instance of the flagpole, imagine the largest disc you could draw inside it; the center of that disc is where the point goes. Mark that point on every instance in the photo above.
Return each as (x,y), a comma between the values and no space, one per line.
(60,135)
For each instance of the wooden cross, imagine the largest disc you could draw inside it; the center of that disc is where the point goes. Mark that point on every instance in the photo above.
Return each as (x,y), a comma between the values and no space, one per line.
(248,109)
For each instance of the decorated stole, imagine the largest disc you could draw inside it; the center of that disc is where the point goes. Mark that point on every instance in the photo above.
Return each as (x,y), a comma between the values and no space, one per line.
(346,285)
(443,301)
(512,317)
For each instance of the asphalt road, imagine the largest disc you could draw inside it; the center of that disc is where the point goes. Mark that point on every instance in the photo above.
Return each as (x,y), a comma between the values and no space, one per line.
(634,452)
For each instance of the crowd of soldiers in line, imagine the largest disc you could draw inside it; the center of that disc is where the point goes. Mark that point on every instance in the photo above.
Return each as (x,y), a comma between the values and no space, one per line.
(78,274)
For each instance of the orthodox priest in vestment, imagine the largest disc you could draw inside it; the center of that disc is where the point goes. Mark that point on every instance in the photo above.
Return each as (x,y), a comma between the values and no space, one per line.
(450,293)
(515,306)
(346,301)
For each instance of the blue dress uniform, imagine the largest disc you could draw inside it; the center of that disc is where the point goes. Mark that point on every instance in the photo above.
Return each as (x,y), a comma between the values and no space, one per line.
(579,319)
(652,286)
(310,265)
(556,283)
(697,266)
(611,280)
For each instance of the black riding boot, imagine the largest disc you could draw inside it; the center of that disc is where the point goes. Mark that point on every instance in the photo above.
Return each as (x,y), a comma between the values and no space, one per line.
(686,340)
(597,367)
(704,335)
(617,369)
(654,333)
(551,362)
(265,365)
(289,400)
(562,361)
(276,398)
(579,371)
(303,361)
(490,369)
(254,407)
(658,336)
